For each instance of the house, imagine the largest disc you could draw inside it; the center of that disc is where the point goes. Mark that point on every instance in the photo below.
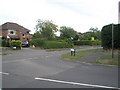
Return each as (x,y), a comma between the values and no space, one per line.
(13,31)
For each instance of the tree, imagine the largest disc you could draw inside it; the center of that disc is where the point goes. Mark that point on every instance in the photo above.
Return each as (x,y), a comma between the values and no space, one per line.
(67,32)
(93,29)
(106,36)
(46,28)
(36,35)
(93,32)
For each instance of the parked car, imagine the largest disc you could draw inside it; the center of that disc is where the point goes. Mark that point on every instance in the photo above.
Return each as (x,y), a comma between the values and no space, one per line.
(25,44)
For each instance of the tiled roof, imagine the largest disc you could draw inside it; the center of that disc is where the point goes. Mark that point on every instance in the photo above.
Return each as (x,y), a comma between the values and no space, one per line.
(13,26)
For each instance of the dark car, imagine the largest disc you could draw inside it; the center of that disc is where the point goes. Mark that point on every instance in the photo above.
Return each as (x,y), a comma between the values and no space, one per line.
(25,44)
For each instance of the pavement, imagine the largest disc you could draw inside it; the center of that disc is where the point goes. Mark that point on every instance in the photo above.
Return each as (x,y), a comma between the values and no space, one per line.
(31,68)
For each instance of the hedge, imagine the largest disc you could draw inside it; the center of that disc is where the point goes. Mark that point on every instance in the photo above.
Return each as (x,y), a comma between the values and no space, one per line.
(55,44)
(3,43)
(106,36)
(50,44)
(16,44)
(87,42)
(38,42)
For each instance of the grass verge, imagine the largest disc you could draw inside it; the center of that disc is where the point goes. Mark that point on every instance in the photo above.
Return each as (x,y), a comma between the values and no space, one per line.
(62,49)
(78,55)
(108,60)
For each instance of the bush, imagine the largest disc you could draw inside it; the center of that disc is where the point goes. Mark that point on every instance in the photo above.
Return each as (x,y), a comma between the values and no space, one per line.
(106,36)
(56,44)
(87,42)
(38,42)
(3,43)
(50,44)
(16,44)
(68,41)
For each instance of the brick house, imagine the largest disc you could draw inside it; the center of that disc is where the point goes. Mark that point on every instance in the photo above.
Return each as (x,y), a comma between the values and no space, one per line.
(13,31)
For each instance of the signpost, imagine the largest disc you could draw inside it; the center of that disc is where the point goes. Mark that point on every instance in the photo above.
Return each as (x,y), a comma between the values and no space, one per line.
(112,40)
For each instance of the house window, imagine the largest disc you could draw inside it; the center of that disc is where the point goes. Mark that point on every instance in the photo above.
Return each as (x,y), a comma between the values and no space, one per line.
(23,35)
(27,32)
(11,32)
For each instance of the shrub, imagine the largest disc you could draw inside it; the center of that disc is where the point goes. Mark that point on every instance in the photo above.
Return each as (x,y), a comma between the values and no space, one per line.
(87,42)
(68,41)
(15,43)
(56,44)
(4,43)
(38,42)
(106,36)
(50,44)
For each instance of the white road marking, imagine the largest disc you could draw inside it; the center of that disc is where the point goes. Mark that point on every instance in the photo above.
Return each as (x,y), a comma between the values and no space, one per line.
(4,73)
(74,83)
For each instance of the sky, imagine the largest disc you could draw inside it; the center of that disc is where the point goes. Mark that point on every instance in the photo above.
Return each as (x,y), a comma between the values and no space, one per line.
(78,14)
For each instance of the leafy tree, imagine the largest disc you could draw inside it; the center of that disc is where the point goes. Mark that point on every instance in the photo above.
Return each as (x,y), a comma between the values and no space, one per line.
(106,36)
(67,32)
(93,32)
(93,29)
(76,37)
(36,35)
(46,28)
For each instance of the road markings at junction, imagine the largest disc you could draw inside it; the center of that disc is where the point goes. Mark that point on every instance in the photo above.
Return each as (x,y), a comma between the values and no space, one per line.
(74,83)
(4,73)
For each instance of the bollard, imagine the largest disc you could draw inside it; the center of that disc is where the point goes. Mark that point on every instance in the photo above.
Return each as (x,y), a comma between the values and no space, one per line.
(72,52)
(33,46)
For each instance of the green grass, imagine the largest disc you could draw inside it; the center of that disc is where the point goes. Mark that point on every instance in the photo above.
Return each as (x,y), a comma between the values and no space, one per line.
(52,50)
(107,60)
(78,55)
(62,49)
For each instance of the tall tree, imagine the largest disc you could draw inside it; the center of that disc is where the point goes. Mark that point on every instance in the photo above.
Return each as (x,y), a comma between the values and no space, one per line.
(46,28)
(67,32)
(93,32)
(36,35)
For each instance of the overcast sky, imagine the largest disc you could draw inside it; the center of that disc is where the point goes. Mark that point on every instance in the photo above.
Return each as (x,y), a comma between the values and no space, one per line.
(78,14)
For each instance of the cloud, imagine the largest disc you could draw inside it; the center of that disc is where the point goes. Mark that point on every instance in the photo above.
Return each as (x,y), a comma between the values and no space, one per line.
(79,14)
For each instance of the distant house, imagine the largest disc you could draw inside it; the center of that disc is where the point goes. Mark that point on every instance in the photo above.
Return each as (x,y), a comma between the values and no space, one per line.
(13,31)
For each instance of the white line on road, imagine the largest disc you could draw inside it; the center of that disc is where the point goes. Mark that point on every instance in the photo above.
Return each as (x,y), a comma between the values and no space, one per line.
(4,73)
(74,83)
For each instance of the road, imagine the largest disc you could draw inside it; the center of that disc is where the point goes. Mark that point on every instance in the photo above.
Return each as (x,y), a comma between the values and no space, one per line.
(31,68)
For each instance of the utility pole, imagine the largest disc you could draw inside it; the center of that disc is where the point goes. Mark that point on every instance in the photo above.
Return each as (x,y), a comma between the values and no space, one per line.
(112,40)
(119,12)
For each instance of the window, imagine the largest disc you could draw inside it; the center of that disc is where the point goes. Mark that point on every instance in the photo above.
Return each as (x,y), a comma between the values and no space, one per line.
(27,32)
(11,32)
(23,35)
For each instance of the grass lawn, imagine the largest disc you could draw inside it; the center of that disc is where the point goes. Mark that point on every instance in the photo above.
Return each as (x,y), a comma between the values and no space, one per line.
(107,60)
(62,49)
(52,50)
(78,55)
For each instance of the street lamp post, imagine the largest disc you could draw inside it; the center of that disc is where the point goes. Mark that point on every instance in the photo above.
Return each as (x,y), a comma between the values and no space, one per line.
(112,40)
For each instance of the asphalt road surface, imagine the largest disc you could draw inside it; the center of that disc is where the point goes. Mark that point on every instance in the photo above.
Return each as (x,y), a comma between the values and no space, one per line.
(30,68)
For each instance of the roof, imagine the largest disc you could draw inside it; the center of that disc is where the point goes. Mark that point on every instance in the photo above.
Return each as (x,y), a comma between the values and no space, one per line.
(13,26)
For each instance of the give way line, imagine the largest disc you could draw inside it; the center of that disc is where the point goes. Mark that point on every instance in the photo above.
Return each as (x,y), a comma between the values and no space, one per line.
(75,83)
(4,73)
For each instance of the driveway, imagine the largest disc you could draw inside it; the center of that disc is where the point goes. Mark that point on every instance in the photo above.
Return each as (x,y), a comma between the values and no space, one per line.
(31,68)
